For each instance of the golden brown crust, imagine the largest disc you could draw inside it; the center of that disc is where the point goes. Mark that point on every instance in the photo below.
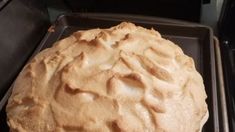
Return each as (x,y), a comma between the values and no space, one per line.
(122,79)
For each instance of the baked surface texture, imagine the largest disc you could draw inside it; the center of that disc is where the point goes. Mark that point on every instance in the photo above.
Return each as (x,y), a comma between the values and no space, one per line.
(122,79)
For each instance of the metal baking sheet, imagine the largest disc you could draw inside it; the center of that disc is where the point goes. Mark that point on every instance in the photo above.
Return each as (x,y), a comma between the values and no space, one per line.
(223,112)
(195,40)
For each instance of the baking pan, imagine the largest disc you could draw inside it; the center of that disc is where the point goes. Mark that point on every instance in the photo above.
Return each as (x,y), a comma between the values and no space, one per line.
(223,112)
(195,40)
(228,55)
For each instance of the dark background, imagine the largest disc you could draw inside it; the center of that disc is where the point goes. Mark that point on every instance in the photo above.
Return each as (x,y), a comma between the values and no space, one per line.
(20,18)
